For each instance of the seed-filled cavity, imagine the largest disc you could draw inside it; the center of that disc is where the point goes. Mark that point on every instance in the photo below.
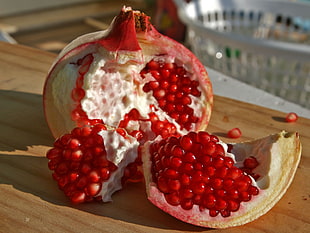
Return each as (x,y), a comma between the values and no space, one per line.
(193,170)
(173,89)
(77,94)
(167,89)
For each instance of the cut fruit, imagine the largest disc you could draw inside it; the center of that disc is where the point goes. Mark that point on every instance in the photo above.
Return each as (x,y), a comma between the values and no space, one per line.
(213,189)
(90,163)
(129,76)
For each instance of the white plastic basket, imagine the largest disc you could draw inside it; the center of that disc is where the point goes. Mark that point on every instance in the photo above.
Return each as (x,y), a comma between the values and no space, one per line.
(260,42)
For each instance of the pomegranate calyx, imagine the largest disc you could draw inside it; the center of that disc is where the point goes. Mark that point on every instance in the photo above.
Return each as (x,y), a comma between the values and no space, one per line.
(122,34)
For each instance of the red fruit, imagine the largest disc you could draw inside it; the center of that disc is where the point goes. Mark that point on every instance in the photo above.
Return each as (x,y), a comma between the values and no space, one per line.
(225,195)
(291,117)
(104,155)
(234,133)
(129,76)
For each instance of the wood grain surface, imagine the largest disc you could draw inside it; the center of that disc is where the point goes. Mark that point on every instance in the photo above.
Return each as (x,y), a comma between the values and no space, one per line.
(31,202)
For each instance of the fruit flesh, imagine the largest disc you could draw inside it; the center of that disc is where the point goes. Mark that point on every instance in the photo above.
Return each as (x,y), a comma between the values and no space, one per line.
(278,156)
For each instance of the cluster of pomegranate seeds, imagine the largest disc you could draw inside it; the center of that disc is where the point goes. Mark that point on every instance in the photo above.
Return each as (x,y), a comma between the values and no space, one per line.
(193,170)
(172,88)
(80,165)
(77,94)
(164,128)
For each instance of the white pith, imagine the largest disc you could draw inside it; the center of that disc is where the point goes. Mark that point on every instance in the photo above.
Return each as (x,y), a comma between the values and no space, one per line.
(64,83)
(121,152)
(278,156)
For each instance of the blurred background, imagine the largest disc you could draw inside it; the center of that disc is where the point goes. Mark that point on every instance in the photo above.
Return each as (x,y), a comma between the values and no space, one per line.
(264,43)
(51,24)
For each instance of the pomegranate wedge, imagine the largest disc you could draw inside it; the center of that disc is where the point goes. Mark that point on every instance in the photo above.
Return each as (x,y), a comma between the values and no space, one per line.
(203,181)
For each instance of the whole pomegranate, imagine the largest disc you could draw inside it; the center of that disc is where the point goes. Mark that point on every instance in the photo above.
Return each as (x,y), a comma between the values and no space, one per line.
(128,76)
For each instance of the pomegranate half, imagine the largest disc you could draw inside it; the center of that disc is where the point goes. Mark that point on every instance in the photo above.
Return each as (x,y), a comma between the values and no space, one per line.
(128,76)
(203,181)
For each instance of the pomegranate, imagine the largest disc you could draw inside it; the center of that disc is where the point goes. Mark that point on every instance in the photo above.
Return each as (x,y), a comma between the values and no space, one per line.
(201,180)
(128,76)
(110,92)
(92,162)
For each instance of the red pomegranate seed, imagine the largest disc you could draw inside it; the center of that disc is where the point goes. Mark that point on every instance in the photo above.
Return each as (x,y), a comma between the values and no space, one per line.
(208,148)
(234,133)
(162,184)
(253,190)
(77,94)
(187,204)
(93,189)
(291,117)
(229,162)
(210,170)
(78,197)
(209,201)
(203,137)
(245,196)
(250,162)
(228,184)
(152,65)
(174,185)
(220,204)
(198,188)
(233,205)
(186,193)
(189,157)
(177,151)
(171,173)
(233,194)
(173,199)
(213,213)
(225,213)
(197,176)
(176,162)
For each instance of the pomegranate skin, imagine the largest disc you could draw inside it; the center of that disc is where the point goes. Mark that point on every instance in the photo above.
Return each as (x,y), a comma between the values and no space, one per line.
(131,42)
(278,156)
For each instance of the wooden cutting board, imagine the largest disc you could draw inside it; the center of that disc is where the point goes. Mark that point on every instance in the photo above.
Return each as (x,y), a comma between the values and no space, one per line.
(31,202)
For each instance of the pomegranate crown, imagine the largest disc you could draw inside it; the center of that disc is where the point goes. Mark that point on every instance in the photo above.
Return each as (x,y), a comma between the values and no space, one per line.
(141,20)
(124,29)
